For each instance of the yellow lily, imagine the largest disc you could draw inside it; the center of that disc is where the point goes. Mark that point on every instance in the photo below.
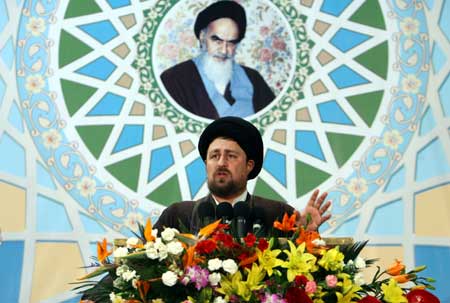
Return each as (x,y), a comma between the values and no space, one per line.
(268,259)
(299,262)
(393,293)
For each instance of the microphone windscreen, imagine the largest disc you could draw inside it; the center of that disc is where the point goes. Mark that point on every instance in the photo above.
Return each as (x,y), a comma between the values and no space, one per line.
(224,211)
(241,209)
(206,210)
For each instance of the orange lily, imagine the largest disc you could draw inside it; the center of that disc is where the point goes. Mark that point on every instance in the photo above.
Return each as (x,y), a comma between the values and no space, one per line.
(307,237)
(209,229)
(102,251)
(401,278)
(148,231)
(288,223)
(248,260)
(143,287)
(396,269)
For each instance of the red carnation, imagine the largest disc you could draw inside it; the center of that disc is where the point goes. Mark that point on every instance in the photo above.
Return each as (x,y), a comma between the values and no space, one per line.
(263,244)
(226,239)
(205,247)
(250,240)
(300,280)
(297,295)
(421,296)
(369,299)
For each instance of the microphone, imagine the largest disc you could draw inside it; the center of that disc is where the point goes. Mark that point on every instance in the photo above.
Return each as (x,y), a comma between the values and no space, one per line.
(206,213)
(258,221)
(241,216)
(224,211)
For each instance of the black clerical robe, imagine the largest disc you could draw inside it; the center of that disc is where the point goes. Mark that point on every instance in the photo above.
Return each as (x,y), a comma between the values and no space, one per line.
(185,86)
(184,215)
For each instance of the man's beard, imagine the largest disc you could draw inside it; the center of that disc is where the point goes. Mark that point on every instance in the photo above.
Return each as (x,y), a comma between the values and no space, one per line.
(224,189)
(219,72)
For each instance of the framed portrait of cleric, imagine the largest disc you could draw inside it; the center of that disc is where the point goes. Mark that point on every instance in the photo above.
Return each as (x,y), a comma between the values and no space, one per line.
(204,60)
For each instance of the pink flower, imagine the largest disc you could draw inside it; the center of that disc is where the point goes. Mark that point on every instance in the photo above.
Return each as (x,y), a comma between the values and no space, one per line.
(279,43)
(170,50)
(331,280)
(264,30)
(265,55)
(187,39)
(310,286)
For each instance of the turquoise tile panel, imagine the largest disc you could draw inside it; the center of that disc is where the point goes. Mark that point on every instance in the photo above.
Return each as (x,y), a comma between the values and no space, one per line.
(436,259)
(438,58)
(275,164)
(11,262)
(431,161)
(331,112)
(387,220)
(110,105)
(347,229)
(3,15)
(102,31)
(91,225)
(160,160)
(101,68)
(130,136)
(306,141)
(7,53)
(196,175)
(346,39)
(333,7)
(47,208)
(2,90)
(344,77)
(444,20)
(15,117)
(118,3)
(444,96)
(43,177)
(427,123)
(397,181)
(12,159)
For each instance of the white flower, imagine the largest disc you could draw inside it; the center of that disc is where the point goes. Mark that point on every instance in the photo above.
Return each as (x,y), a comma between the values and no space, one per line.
(214,264)
(219,300)
(392,139)
(36,26)
(141,62)
(121,269)
(132,242)
(129,275)
(120,252)
(161,107)
(169,278)
(34,83)
(87,186)
(360,263)
(410,26)
(230,266)
(411,84)
(350,263)
(181,123)
(357,186)
(304,46)
(214,278)
(51,138)
(152,253)
(143,37)
(318,242)
(134,283)
(168,234)
(175,248)
(358,279)
(115,298)
(132,220)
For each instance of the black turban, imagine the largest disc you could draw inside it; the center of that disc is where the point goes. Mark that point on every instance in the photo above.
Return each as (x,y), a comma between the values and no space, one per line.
(243,132)
(222,9)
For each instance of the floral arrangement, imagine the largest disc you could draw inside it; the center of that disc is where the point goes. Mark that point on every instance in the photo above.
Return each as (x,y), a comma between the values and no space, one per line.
(214,267)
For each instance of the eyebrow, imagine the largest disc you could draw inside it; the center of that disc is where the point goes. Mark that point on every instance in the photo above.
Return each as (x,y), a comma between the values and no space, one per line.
(217,38)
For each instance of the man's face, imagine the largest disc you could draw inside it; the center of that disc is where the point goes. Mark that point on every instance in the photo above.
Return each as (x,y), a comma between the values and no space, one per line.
(220,39)
(227,168)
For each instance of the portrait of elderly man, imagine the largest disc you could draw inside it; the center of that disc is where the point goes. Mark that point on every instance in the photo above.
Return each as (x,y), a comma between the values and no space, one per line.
(213,84)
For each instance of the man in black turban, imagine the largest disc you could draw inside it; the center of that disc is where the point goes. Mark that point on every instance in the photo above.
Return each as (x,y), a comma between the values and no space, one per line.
(232,149)
(213,85)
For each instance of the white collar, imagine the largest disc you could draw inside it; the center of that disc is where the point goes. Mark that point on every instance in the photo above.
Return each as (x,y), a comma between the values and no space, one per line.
(241,197)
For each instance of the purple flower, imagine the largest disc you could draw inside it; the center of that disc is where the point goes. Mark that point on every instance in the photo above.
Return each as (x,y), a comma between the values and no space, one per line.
(272,298)
(198,275)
